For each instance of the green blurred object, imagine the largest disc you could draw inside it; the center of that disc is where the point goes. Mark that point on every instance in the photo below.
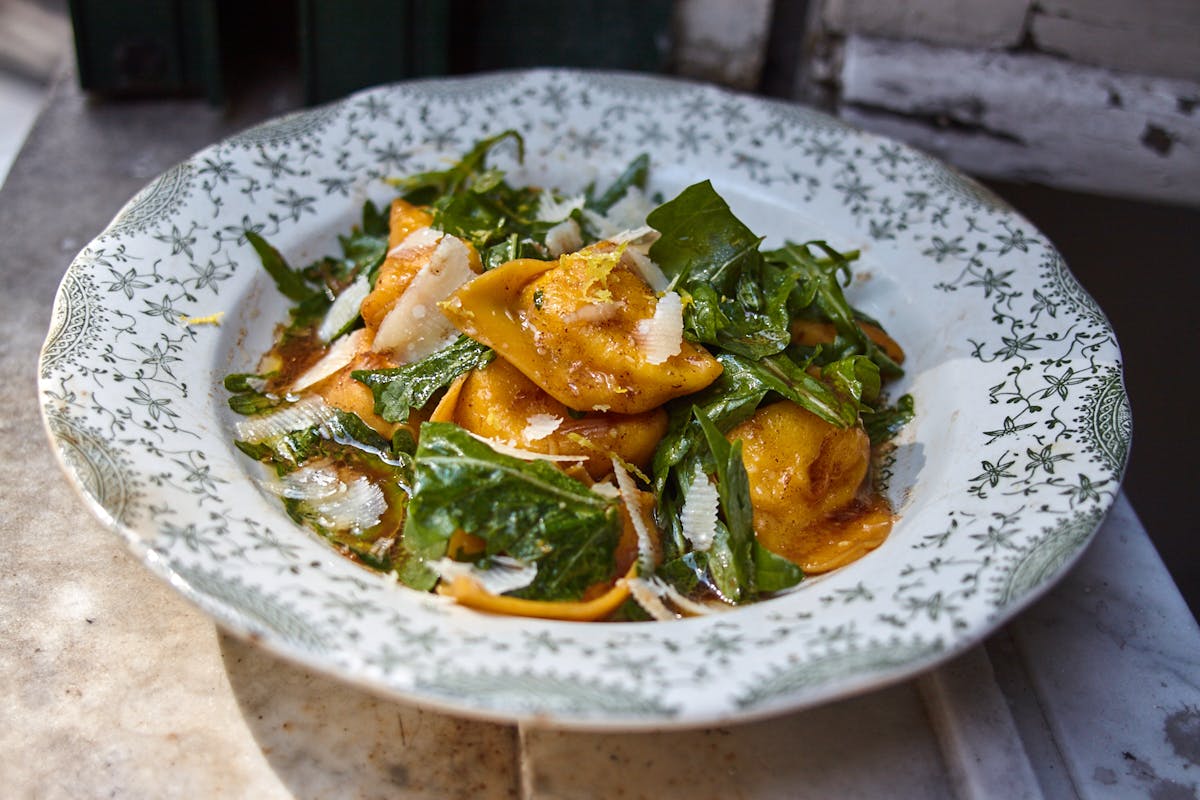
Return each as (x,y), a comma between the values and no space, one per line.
(345,46)
(594,34)
(134,47)
(183,47)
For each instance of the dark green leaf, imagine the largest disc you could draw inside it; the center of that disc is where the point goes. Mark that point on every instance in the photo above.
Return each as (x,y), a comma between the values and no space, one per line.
(426,187)
(821,278)
(782,375)
(882,424)
(531,511)
(702,241)
(290,283)
(634,175)
(733,486)
(774,573)
(248,398)
(400,389)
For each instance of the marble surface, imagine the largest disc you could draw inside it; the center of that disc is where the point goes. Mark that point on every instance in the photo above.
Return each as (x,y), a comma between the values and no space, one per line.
(112,685)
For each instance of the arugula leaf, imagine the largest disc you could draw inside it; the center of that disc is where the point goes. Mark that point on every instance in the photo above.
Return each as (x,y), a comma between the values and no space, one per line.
(884,423)
(291,283)
(774,573)
(822,274)
(634,175)
(783,376)
(702,241)
(248,398)
(733,567)
(425,188)
(531,511)
(398,390)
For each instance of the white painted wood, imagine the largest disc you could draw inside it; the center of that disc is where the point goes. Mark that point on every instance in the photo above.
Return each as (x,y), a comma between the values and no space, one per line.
(968,23)
(980,743)
(1127,36)
(1114,655)
(1030,116)
(720,41)
(877,745)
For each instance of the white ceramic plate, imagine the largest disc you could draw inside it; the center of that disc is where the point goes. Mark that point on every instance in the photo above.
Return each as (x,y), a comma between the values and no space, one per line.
(1016,452)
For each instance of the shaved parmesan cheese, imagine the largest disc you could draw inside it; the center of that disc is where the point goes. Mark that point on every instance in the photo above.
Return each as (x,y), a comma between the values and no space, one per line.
(331,502)
(698,517)
(630,211)
(506,449)
(678,599)
(340,354)
(414,328)
(606,490)
(345,309)
(595,312)
(539,426)
(661,336)
(635,236)
(649,271)
(503,575)
(551,210)
(415,241)
(301,415)
(600,224)
(647,597)
(646,551)
(651,592)
(565,237)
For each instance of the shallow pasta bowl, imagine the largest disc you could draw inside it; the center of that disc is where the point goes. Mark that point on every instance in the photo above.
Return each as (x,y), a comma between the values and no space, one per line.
(1020,437)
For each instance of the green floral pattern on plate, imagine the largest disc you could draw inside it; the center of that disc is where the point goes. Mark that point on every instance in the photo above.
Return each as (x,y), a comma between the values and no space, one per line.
(1017,450)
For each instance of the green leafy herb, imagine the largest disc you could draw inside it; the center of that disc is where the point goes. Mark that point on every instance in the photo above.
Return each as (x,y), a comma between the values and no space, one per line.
(774,573)
(634,175)
(248,398)
(735,573)
(702,242)
(291,284)
(821,274)
(791,380)
(884,423)
(531,511)
(398,390)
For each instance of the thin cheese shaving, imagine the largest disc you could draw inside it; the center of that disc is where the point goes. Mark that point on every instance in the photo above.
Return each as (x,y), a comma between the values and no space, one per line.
(301,415)
(629,496)
(414,327)
(627,213)
(504,574)
(331,502)
(647,597)
(650,272)
(419,239)
(340,354)
(565,237)
(698,517)
(506,449)
(539,426)
(635,236)
(344,309)
(661,336)
(551,210)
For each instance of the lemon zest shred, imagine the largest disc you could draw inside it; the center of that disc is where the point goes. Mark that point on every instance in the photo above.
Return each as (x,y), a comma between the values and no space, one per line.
(210,319)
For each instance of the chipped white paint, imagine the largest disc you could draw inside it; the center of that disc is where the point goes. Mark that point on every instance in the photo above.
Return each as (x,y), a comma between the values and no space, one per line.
(1160,37)
(969,23)
(1030,116)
